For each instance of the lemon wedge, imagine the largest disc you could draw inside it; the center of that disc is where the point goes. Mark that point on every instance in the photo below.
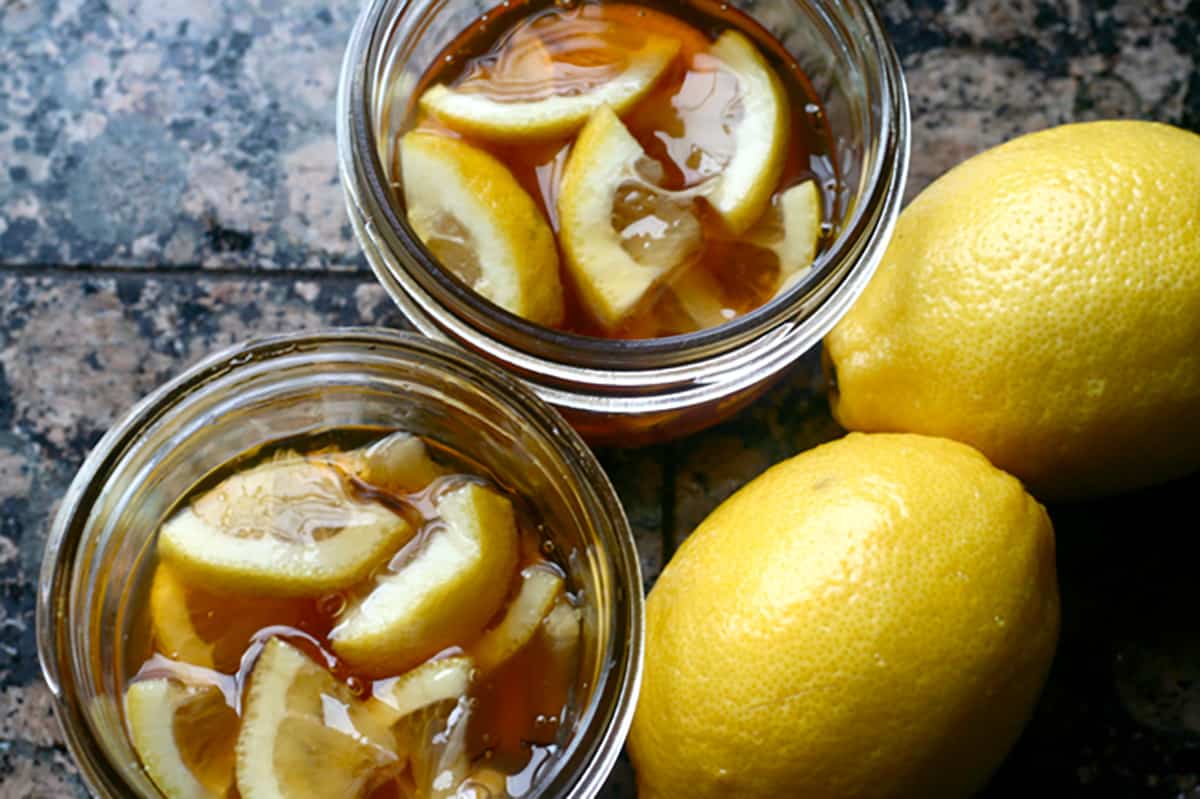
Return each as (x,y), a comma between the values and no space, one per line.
(539,588)
(454,583)
(198,764)
(800,212)
(791,229)
(287,527)
(196,627)
(304,734)
(475,218)
(485,117)
(699,295)
(431,682)
(743,189)
(562,628)
(620,234)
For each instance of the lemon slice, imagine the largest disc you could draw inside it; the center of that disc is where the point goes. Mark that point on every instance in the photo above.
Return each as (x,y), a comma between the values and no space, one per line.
(304,734)
(559,115)
(539,588)
(743,189)
(184,736)
(284,528)
(475,218)
(601,188)
(427,684)
(198,627)
(447,592)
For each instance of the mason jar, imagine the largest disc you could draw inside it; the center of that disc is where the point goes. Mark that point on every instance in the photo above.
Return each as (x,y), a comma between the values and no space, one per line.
(100,551)
(639,391)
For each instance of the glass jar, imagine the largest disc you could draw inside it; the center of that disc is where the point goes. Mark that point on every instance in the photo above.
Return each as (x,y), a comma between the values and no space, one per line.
(99,551)
(634,392)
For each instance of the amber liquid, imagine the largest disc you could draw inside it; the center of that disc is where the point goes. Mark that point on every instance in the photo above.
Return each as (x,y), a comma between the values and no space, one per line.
(517,710)
(682,124)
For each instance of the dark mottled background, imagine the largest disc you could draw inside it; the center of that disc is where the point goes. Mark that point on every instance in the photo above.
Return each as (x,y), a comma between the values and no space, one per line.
(168,187)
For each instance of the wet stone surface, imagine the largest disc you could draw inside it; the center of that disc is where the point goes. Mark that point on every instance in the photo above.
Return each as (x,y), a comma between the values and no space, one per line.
(168,186)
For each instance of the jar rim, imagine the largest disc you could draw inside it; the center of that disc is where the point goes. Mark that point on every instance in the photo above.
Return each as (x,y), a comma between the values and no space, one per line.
(436,301)
(71,532)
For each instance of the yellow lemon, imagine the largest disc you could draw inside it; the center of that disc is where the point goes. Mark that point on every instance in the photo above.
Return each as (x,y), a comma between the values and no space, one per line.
(874,617)
(1041,302)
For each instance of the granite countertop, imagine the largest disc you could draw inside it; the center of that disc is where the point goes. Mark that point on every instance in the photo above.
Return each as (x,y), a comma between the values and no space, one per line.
(168,187)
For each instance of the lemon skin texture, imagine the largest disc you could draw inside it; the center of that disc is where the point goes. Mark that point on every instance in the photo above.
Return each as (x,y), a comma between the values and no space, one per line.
(872,618)
(1041,302)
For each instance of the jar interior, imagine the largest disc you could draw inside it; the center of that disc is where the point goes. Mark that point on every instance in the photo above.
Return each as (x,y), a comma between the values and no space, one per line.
(833,42)
(271,397)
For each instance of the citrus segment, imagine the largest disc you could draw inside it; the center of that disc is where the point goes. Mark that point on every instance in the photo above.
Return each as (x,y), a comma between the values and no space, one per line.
(288,527)
(428,684)
(304,733)
(487,117)
(199,627)
(184,736)
(454,583)
(539,588)
(479,222)
(603,178)
(743,189)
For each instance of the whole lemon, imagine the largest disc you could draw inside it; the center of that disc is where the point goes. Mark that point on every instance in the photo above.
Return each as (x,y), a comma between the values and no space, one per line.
(1041,302)
(872,618)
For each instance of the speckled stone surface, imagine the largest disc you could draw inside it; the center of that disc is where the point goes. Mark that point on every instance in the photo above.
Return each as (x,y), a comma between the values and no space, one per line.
(168,186)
